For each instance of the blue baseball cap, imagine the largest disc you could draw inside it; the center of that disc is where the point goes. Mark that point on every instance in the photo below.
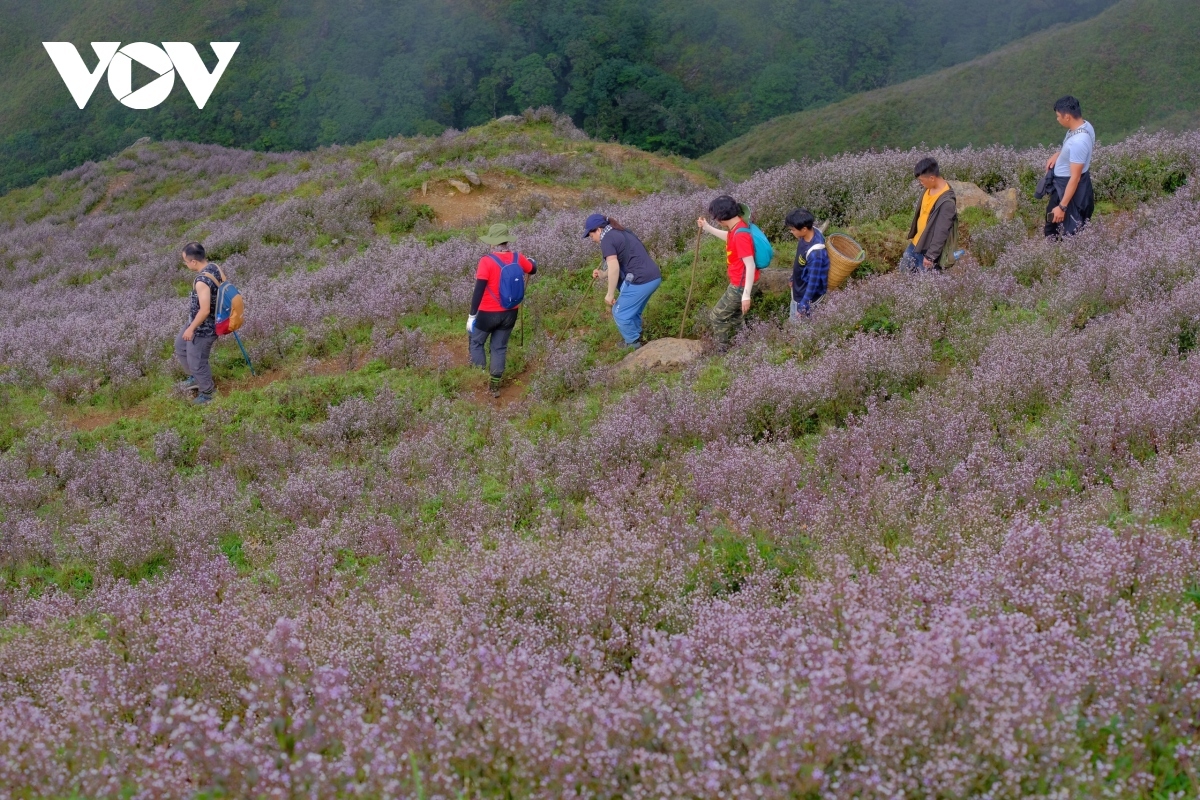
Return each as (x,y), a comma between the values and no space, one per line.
(593,222)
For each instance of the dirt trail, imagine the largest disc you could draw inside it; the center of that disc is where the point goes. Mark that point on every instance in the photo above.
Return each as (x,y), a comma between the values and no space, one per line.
(501,195)
(118,184)
(443,353)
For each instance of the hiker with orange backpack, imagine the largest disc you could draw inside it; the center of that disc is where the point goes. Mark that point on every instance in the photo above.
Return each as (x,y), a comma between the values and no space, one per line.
(194,343)
(747,250)
(499,290)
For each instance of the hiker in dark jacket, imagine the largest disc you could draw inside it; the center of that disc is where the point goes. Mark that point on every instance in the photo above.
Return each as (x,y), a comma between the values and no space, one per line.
(628,265)
(488,318)
(194,343)
(933,234)
(810,270)
(1072,200)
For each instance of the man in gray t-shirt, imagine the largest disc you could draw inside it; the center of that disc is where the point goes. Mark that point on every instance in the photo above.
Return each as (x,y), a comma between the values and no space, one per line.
(1076,149)
(1072,200)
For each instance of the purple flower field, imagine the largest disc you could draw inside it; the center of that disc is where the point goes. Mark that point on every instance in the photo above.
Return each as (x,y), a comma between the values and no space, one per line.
(939,540)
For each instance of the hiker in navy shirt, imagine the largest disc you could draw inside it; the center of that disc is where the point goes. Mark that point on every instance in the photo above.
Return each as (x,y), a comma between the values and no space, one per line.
(810,270)
(628,265)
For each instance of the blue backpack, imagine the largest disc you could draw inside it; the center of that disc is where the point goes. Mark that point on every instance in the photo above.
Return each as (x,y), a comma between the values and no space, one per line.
(763,252)
(512,282)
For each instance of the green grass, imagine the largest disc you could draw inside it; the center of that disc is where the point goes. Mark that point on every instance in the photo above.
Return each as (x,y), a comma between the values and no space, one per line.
(1135,65)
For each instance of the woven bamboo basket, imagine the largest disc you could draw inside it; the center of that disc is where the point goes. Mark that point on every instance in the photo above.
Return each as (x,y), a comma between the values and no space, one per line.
(845,255)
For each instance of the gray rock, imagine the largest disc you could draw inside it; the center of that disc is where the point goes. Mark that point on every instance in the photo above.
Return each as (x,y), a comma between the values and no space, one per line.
(471,177)
(774,279)
(1005,204)
(665,353)
(509,118)
(1002,204)
(407,157)
(968,195)
(462,187)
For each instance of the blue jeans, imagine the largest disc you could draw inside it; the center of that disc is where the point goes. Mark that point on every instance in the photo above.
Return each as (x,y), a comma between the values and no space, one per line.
(913,260)
(627,311)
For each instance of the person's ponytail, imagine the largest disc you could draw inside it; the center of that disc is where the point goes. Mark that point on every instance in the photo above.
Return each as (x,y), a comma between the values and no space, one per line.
(616,226)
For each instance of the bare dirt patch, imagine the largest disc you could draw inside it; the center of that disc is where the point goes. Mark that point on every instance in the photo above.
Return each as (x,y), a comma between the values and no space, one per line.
(118,184)
(504,195)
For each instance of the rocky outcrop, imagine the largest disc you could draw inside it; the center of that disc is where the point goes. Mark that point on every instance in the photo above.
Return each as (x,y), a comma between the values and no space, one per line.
(1005,204)
(968,195)
(668,353)
(775,279)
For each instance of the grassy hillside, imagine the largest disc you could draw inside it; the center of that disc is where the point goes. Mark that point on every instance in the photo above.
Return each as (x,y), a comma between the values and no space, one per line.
(660,74)
(1136,65)
(937,539)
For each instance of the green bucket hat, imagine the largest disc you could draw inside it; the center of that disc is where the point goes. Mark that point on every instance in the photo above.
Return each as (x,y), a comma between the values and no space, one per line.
(497,234)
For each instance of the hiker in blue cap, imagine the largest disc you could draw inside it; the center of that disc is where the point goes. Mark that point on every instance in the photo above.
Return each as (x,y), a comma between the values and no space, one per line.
(628,265)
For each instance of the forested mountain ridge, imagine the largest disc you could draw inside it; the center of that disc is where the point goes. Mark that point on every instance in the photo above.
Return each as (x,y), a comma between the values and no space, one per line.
(659,74)
(1134,66)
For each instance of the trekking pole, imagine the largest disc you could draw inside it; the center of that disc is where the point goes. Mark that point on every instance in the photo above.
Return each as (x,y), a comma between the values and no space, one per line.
(682,322)
(578,306)
(245,355)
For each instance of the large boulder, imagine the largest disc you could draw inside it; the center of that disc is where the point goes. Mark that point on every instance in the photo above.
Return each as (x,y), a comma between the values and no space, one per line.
(1005,204)
(968,195)
(665,353)
(464,188)
(407,157)
(775,279)
(472,177)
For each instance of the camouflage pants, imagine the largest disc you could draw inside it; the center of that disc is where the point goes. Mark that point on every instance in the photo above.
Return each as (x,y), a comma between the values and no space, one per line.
(726,316)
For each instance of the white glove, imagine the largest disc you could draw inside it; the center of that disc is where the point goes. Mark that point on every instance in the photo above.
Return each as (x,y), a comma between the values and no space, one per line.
(471,323)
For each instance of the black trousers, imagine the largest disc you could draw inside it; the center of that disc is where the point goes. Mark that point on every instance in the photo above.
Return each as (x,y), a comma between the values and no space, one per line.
(1079,210)
(498,326)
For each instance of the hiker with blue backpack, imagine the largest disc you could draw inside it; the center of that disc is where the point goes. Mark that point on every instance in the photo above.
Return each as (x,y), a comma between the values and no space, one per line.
(747,250)
(628,265)
(499,290)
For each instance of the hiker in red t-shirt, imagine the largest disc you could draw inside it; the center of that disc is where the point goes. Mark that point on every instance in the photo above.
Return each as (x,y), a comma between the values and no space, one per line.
(739,257)
(489,317)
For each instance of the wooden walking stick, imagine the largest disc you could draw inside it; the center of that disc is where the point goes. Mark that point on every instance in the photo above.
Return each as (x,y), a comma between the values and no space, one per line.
(682,322)
(583,298)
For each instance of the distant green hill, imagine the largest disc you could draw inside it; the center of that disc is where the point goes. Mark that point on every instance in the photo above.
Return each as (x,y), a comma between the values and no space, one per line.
(681,76)
(1136,65)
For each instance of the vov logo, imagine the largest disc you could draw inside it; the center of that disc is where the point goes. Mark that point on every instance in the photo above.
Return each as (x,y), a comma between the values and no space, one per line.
(172,57)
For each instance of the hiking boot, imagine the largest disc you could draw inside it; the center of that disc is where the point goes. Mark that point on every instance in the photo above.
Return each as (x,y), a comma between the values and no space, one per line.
(631,346)
(494,388)
(186,386)
(202,399)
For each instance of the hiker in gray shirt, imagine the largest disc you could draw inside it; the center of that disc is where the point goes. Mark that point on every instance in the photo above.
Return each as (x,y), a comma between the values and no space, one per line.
(194,343)
(1072,200)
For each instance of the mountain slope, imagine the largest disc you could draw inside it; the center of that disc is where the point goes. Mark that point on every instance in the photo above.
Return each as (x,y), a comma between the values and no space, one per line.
(664,75)
(1135,65)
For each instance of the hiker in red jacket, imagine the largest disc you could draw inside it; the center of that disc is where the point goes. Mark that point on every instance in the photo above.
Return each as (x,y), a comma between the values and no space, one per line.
(740,266)
(489,317)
